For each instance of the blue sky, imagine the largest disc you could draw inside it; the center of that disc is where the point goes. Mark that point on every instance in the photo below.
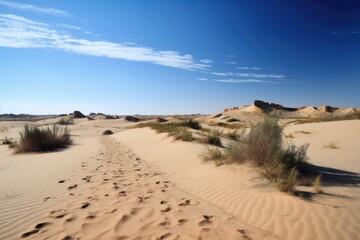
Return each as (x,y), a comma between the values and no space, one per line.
(176,57)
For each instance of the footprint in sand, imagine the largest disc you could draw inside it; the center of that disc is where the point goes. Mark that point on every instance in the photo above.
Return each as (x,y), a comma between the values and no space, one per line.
(85,205)
(182,220)
(72,187)
(27,234)
(166,209)
(206,220)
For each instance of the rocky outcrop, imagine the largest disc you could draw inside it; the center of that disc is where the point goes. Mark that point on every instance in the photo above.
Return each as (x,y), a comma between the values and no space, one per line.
(78,114)
(268,107)
(132,119)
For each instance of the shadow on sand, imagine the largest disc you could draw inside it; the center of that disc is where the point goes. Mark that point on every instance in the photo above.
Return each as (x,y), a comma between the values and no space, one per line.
(330,177)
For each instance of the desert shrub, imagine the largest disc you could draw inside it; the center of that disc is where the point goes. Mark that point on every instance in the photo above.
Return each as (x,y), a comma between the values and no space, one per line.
(36,139)
(66,121)
(191,124)
(108,132)
(264,141)
(183,135)
(211,139)
(212,154)
(175,129)
(263,147)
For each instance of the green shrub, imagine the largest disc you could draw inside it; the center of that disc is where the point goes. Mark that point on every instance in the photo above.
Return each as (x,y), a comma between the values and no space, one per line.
(36,139)
(108,132)
(263,147)
(191,124)
(211,139)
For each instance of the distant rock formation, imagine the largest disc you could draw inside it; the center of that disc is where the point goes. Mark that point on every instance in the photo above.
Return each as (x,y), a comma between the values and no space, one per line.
(132,119)
(160,120)
(268,107)
(78,114)
(327,109)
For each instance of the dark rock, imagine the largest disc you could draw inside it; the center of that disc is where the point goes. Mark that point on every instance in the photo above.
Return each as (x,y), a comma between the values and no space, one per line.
(132,119)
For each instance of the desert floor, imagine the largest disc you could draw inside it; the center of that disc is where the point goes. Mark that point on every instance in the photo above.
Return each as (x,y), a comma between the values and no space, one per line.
(136,184)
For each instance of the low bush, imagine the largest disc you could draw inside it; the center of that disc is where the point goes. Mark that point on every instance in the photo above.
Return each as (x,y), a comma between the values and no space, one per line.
(211,139)
(108,132)
(264,148)
(213,154)
(36,139)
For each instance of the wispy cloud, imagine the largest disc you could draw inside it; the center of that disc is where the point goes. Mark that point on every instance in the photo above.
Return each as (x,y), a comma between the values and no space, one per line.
(202,79)
(206,61)
(19,32)
(231,63)
(33,8)
(231,56)
(245,81)
(350,32)
(249,68)
(260,75)
(222,73)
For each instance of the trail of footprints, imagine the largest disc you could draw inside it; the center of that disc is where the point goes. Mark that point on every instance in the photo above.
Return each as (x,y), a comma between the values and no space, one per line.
(125,191)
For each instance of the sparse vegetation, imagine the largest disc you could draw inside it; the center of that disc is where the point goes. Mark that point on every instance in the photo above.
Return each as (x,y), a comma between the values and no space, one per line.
(331,145)
(326,118)
(108,132)
(263,147)
(176,129)
(184,135)
(36,139)
(212,153)
(227,125)
(212,139)
(317,184)
(66,121)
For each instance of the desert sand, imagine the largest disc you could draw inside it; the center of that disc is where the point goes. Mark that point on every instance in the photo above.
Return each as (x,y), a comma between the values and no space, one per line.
(137,184)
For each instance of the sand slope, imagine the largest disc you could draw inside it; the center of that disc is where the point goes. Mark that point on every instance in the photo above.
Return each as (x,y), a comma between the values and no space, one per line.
(137,184)
(238,191)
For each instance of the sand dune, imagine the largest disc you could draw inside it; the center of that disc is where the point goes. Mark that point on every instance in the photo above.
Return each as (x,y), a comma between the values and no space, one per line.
(137,184)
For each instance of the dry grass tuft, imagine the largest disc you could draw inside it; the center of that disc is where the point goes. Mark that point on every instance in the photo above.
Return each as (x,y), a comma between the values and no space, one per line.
(317,184)
(331,145)
(36,139)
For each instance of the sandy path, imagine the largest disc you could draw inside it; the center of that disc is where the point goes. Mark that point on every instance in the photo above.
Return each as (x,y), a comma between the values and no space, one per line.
(123,197)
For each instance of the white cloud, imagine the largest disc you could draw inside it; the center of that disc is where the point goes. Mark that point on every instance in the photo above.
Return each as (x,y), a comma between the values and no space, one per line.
(32,8)
(260,75)
(207,61)
(231,63)
(231,56)
(19,32)
(249,68)
(222,73)
(244,81)
(202,79)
